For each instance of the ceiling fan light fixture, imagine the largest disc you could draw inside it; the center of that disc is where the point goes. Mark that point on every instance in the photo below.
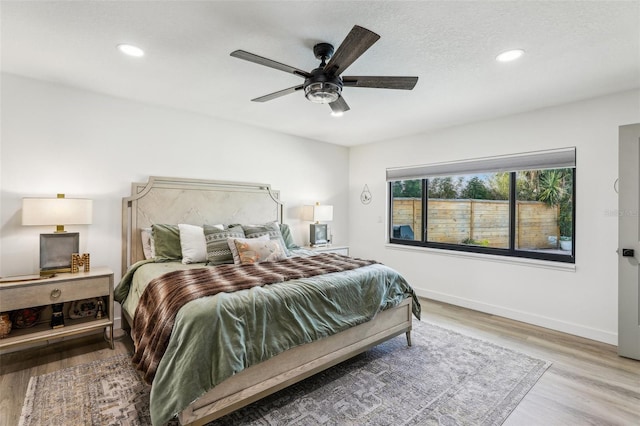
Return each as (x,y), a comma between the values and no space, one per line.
(322,92)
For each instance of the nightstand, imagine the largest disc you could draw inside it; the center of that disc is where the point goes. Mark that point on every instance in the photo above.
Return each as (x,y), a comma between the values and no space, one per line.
(62,288)
(344,250)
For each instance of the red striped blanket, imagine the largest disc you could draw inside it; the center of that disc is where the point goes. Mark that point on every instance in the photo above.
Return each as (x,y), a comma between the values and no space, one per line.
(165,295)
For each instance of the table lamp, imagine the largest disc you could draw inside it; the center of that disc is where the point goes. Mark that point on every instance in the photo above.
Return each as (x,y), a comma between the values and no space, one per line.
(318,234)
(56,249)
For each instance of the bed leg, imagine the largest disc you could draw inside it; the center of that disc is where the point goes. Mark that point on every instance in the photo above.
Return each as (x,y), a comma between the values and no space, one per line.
(408,338)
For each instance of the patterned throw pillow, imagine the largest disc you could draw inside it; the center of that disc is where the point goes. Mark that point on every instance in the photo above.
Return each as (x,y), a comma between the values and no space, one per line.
(255,250)
(234,250)
(218,251)
(271,229)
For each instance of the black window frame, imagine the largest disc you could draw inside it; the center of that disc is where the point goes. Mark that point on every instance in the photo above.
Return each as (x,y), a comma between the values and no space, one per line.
(511,251)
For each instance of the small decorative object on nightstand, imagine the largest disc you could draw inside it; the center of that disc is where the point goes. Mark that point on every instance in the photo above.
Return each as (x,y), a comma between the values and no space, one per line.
(100,311)
(57,316)
(5,325)
(27,317)
(77,261)
(84,308)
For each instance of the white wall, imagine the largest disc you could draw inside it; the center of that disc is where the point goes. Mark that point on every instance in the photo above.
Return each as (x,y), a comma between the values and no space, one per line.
(582,301)
(58,139)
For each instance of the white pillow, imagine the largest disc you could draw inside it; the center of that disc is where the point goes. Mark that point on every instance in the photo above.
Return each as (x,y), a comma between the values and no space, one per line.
(192,243)
(234,250)
(148,246)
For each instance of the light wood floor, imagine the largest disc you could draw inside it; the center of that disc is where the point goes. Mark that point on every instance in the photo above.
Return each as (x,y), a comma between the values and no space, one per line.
(588,383)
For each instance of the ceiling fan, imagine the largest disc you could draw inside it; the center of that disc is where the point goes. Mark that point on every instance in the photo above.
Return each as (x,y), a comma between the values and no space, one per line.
(324,84)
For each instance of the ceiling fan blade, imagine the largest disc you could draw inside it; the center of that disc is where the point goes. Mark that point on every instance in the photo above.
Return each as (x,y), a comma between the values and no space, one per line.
(241,54)
(355,44)
(404,83)
(339,105)
(277,94)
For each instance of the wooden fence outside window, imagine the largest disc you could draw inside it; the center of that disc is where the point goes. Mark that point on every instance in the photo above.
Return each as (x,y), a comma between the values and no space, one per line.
(482,222)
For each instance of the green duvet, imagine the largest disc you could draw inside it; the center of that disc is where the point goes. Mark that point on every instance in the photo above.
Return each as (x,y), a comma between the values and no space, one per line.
(216,337)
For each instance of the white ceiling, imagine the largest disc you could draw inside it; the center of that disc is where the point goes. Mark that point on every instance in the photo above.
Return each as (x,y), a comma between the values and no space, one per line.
(574,50)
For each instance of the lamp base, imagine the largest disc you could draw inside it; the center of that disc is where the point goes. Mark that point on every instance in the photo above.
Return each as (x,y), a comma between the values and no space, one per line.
(318,235)
(56,250)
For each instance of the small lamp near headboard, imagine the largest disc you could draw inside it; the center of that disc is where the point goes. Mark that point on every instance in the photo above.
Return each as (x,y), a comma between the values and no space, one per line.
(318,234)
(56,249)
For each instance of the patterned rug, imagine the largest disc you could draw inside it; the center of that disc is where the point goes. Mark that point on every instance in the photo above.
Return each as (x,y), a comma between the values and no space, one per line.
(445,378)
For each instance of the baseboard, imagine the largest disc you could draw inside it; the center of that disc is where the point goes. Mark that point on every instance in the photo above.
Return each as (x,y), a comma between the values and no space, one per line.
(542,321)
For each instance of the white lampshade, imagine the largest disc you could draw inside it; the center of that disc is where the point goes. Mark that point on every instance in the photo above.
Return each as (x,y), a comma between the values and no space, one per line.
(57,211)
(318,213)
(322,213)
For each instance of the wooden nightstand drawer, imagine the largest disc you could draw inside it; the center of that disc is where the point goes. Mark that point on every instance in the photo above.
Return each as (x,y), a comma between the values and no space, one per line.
(39,294)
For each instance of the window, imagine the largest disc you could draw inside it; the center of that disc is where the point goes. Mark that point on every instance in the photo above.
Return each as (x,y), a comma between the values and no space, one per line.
(520,206)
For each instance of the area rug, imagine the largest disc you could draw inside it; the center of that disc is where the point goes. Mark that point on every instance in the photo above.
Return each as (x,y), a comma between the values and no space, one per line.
(445,378)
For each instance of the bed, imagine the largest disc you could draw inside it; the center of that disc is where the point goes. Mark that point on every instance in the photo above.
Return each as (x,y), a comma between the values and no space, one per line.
(237,371)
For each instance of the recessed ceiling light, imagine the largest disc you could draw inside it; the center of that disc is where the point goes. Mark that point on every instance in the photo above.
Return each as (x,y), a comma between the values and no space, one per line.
(509,55)
(337,114)
(131,50)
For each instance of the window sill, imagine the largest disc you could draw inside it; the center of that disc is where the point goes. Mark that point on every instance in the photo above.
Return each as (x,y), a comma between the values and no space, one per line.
(558,266)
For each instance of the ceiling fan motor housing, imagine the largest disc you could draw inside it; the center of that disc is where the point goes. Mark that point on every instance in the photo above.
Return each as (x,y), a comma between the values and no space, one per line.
(323,51)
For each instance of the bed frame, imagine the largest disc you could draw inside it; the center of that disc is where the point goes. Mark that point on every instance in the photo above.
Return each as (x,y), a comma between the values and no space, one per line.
(197,202)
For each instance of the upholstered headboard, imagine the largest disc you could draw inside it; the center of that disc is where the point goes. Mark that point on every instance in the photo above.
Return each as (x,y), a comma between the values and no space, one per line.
(195,202)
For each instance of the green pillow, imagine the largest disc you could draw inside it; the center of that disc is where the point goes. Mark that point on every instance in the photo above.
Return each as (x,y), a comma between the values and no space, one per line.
(271,229)
(287,237)
(166,240)
(218,251)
